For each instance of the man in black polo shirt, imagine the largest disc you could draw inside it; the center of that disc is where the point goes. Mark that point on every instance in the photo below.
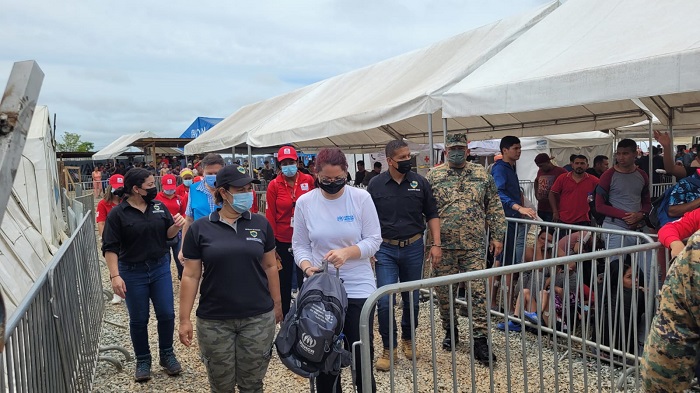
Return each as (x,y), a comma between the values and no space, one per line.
(404,202)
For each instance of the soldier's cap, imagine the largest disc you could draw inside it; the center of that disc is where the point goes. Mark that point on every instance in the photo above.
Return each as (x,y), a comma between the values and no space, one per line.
(234,175)
(456,140)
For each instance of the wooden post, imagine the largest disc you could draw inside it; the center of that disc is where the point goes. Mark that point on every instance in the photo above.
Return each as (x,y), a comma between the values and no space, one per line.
(16,112)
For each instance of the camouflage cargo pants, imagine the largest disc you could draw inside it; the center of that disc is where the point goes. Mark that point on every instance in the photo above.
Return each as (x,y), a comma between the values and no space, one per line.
(236,352)
(458,261)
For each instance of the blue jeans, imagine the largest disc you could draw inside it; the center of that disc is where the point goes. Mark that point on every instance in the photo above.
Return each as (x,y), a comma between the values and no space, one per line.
(514,245)
(396,264)
(145,282)
(175,250)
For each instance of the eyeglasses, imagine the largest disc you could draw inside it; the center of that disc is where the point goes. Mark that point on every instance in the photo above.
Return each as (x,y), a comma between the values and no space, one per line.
(336,180)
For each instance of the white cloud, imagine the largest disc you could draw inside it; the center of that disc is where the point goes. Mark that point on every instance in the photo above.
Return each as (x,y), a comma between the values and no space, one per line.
(119,67)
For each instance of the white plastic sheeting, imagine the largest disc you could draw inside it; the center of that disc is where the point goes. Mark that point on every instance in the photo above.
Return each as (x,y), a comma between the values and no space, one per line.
(580,68)
(120,145)
(32,228)
(365,108)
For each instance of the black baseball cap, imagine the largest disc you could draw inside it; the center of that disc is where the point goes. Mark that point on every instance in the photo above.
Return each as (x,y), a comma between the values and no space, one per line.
(234,175)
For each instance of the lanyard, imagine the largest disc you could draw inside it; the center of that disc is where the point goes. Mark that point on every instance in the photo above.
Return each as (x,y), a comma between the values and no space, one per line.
(293,191)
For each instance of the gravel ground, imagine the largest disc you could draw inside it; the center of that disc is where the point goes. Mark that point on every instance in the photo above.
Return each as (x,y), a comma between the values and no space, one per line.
(279,379)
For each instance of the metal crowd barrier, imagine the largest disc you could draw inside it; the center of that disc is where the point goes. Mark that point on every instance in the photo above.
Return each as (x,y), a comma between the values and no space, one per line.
(590,339)
(53,336)
(262,201)
(658,190)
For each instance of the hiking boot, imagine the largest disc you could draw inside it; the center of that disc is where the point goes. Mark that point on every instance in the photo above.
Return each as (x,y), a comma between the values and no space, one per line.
(407,348)
(481,351)
(384,362)
(447,342)
(143,370)
(169,362)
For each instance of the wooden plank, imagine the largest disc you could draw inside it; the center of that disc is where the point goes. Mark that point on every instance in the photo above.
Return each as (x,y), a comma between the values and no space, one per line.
(16,111)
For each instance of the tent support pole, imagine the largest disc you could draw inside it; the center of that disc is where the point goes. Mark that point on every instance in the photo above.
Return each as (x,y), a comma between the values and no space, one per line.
(444,130)
(430,140)
(651,155)
(233,154)
(670,135)
(250,161)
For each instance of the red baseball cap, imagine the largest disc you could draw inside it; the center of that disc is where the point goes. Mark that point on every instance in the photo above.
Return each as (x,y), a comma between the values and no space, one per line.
(286,152)
(168,182)
(116,181)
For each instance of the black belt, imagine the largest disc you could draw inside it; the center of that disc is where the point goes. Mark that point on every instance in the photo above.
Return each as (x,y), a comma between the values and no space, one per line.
(405,242)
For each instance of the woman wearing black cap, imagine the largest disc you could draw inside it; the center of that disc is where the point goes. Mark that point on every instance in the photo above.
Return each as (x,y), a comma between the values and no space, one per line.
(239,303)
(134,246)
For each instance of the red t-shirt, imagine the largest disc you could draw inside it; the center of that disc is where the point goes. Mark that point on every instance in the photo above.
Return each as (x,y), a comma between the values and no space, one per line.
(175,204)
(543,183)
(573,197)
(182,190)
(280,203)
(103,209)
(680,229)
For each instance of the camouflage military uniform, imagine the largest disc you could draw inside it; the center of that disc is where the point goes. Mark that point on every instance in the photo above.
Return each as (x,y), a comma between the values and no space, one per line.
(670,351)
(468,203)
(236,352)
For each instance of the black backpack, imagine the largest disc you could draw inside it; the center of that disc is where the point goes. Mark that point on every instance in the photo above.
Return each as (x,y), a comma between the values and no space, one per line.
(310,340)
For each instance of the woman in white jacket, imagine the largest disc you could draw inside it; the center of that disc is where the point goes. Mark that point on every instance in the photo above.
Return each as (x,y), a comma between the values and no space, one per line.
(339,223)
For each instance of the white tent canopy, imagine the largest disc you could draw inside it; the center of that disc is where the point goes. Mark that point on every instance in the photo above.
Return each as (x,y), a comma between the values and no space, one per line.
(582,67)
(119,146)
(365,108)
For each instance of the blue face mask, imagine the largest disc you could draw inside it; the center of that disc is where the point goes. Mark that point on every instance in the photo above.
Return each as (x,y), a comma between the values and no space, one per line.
(210,180)
(242,202)
(289,170)
(187,182)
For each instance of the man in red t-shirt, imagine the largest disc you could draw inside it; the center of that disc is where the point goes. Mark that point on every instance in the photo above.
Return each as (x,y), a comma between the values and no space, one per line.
(282,194)
(572,193)
(544,180)
(175,204)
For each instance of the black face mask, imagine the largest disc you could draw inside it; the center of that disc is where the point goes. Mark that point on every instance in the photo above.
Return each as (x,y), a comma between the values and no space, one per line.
(332,188)
(404,166)
(150,194)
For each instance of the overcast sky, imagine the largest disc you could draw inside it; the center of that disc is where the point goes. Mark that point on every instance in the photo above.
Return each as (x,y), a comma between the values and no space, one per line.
(118,67)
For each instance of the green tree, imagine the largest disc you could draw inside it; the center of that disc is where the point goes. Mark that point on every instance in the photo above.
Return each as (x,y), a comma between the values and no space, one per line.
(72,142)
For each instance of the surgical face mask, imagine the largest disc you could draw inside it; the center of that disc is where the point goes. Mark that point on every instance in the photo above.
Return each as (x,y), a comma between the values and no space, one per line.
(169,192)
(404,166)
(456,157)
(210,180)
(187,182)
(289,170)
(242,202)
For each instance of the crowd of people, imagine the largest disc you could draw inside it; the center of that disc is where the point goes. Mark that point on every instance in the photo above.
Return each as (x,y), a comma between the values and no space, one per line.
(248,263)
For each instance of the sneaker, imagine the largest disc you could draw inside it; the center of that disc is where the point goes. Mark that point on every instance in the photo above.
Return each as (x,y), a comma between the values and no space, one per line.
(481,351)
(143,370)
(447,342)
(407,348)
(532,317)
(169,362)
(384,361)
(116,299)
(512,326)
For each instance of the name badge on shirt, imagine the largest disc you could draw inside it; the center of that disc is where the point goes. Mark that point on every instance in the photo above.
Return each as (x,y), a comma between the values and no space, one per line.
(305,186)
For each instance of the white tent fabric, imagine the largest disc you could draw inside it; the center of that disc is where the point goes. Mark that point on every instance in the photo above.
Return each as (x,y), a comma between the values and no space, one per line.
(580,68)
(122,144)
(33,226)
(233,131)
(589,144)
(365,108)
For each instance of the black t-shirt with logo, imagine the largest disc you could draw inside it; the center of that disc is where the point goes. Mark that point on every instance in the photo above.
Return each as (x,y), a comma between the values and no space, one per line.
(137,236)
(234,284)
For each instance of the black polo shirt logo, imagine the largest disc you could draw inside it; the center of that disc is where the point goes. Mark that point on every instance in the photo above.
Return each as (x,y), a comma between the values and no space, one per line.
(253,236)
(156,209)
(414,185)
